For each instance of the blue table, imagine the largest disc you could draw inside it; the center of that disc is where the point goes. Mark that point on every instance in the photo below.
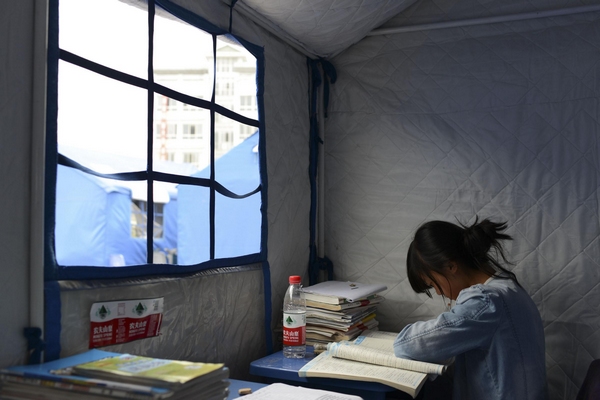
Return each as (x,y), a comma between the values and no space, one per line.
(277,368)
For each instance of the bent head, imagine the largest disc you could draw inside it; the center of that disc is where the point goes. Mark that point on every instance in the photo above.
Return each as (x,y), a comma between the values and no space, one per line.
(433,256)
(450,257)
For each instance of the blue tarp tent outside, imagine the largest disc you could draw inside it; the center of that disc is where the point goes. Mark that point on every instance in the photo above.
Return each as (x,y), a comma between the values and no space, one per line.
(237,171)
(94,215)
(93,225)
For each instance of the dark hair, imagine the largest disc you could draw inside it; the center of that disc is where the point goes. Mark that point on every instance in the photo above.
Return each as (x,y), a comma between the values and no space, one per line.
(437,244)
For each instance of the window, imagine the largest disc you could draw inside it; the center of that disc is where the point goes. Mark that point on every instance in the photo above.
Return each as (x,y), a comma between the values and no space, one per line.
(192,131)
(127,190)
(224,64)
(247,103)
(165,130)
(224,88)
(246,131)
(190,158)
(171,105)
(139,219)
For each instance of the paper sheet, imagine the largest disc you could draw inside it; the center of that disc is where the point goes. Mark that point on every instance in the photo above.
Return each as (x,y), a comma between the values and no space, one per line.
(278,391)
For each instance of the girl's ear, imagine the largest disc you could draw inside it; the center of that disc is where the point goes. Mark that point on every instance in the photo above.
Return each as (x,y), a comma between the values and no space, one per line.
(453,268)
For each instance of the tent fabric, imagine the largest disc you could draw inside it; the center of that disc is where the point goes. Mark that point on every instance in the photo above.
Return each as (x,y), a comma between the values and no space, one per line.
(326,27)
(210,316)
(429,12)
(499,121)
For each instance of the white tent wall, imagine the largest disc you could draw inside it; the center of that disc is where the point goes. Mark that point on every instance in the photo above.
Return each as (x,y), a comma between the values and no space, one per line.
(192,303)
(496,120)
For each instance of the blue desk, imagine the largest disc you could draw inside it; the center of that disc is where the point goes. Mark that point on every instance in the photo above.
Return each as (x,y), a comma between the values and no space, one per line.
(277,368)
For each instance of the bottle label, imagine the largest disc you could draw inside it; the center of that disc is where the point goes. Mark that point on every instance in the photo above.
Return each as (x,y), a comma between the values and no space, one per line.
(294,329)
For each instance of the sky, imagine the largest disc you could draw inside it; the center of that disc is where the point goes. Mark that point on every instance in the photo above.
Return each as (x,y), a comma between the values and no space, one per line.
(94,112)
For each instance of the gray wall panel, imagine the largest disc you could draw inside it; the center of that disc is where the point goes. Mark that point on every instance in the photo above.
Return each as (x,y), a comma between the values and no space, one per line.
(499,121)
(16,65)
(212,316)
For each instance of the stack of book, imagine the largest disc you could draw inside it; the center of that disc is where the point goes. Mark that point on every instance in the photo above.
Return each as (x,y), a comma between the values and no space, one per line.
(337,310)
(98,374)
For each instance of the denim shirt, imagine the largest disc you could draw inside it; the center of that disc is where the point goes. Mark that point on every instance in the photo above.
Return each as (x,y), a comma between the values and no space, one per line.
(495,334)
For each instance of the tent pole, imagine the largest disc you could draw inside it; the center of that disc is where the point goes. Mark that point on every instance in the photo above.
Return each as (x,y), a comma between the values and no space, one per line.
(38,150)
(321,173)
(486,20)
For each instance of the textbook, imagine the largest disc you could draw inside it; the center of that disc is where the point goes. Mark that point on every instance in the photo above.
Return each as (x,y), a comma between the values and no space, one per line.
(371,358)
(390,336)
(375,299)
(172,374)
(353,331)
(58,380)
(339,292)
(376,351)
(26,380)
(343,326)
(326,366)
(350,315)
(324,326)
(337,310)
(323,335)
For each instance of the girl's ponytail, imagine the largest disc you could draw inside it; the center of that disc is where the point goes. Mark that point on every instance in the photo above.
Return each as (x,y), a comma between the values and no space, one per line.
(482,243)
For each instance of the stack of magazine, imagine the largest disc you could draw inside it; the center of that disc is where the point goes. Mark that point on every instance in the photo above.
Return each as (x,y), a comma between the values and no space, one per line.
(338,310)
(98,374)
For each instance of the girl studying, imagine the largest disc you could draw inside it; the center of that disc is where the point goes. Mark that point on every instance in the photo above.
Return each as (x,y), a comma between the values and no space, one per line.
(494,331)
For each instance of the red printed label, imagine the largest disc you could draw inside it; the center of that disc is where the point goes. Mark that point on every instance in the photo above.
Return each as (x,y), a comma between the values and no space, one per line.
(294,329)
(124,321)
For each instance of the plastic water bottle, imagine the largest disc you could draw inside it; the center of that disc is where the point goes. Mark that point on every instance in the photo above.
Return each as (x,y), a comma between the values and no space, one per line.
(294,320)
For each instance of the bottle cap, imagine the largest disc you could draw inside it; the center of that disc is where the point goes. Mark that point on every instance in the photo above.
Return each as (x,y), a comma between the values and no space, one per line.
(294,279)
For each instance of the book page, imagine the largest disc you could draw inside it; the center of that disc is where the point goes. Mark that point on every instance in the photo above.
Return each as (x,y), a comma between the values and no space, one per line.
(381,335)
(385,341)
(325,365)
(278,391)
(351,351)
(379,343)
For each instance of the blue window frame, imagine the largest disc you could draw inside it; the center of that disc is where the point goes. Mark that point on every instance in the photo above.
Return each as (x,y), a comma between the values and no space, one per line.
(208,209)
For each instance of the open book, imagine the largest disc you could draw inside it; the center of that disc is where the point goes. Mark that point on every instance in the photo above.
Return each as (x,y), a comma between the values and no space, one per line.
(371,358)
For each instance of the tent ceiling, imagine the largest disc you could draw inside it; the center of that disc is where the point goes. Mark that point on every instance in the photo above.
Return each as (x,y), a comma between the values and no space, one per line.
(324,28)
